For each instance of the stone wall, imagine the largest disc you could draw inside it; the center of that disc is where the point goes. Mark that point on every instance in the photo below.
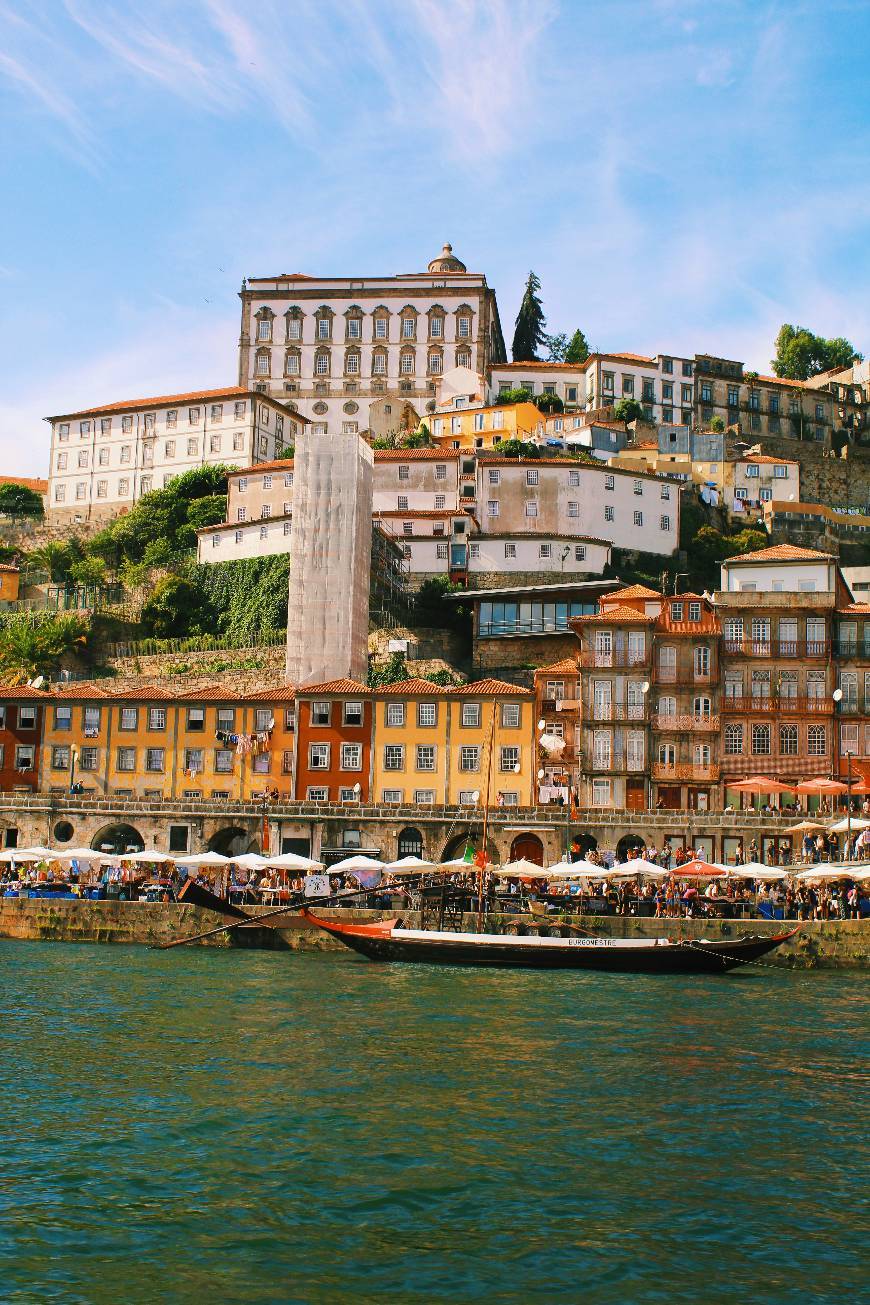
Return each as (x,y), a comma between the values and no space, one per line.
(833,481)
(819,944)
(510,658)
(245,670)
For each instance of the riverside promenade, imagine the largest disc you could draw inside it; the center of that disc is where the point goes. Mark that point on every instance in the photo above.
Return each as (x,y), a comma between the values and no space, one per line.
(820,944)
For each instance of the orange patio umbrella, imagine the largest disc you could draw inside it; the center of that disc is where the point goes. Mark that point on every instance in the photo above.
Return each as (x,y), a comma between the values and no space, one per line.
(822,787)
(697,869)
(761,784)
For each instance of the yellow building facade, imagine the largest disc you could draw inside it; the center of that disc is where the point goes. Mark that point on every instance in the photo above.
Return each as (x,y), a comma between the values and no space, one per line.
(431,745)
(482,428)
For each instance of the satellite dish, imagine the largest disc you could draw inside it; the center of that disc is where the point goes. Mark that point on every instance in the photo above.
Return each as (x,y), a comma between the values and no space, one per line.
(475,797)
(357,788)
(517,768)
(542,724)
(837,695)
(541,774)
(38,682)
(644,688)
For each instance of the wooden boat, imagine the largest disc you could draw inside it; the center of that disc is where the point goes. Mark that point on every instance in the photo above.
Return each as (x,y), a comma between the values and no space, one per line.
(386,940)
(197,895)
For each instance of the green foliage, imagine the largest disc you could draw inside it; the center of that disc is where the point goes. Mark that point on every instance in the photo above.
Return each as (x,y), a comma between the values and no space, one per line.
(517,395)
(161,529)
(800,354)
(578,349)
(391,672)
(557,347)
(285,452)
(445,678)
(20,501)
(54,559)
(89,571)
(627,410)
(35,643)
(428,610)
(549,403)
(421,438)
(245,599)
(390,441)
(530,323)
(516,449)
(716,423)
(175,608)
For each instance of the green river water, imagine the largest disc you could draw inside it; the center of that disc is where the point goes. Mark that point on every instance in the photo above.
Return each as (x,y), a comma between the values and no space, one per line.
(218,1126)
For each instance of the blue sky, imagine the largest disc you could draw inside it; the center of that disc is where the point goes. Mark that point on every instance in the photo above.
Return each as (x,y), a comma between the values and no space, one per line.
(682,176)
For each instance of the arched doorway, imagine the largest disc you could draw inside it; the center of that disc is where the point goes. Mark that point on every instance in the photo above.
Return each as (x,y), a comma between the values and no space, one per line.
(454,849)
(231,841)
(582,845)
(629,843)
(410,842)
(527,847)
(118,839)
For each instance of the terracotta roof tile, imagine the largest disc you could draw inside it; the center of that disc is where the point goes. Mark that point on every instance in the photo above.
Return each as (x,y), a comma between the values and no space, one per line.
(337,687)
(146,693)
(489,688)
(210,693)
(79,691)
(29,482)
(633,591)
(280,464)
(416,455)
(413,689)
(164,400)
(767,460)
(618,615)
(854,609)
(567,666)
(782,553)
(21,691)
(281,693)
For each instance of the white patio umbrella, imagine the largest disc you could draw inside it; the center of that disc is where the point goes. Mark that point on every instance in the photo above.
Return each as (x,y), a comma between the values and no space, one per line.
(251,861)
(855,825)
(523,869)
(82,854)
(358,862)
(203,858)
(459,863)
(831,872)
(43,853)
(755,870)
(290,861)
(145,857)
(565,870)
(410,865)
(20,854)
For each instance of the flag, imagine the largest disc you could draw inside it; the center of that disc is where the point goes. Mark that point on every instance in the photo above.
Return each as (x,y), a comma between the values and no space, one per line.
(480,859)
(468,854)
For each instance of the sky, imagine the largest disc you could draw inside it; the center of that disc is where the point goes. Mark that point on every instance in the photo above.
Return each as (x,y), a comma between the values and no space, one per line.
(682,176)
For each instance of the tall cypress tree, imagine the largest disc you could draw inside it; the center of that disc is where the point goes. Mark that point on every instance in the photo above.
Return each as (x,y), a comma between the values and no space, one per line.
(530,323)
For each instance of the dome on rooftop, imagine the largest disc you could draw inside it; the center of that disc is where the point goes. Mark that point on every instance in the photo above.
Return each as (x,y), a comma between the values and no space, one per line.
(446,262)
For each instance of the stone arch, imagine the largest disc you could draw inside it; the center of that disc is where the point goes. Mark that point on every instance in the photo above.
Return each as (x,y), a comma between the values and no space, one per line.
(629,843)
(527,846)
(455,847)
(410,842)
(586,843)
(232,840)
(118,838)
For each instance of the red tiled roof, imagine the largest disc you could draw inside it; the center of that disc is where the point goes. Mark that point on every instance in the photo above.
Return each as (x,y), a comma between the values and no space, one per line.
(164,400)
(282,693)
(8,566)
(620,615)
(854,609)
(567,666)
(782,553)
(335,686)
(147,693)
(280,464)
(210,693)
(284,276)
(421,512)
(417,455)
(489,688)
(543,366)
(633,591)
(29,482)
(767,459)
(413,689)
(80,691)
(20,691)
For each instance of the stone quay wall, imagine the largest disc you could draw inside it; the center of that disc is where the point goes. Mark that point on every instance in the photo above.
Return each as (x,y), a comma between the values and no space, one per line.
(819,944)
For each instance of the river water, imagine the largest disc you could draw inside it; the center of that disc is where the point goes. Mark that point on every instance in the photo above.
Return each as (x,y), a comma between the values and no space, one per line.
(218,1126)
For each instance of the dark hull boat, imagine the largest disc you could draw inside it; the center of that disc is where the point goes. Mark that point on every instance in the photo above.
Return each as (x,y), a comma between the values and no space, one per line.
(387,941)
(196,895)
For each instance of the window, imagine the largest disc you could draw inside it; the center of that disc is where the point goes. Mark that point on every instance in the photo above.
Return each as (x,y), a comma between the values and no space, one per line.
(702,662)
(63,718)
(60,757)
(157,718)
(471,715)
(531,507)
(59,493)
(601,792)
(609,482)
(126,759)
(196,719)
(780,472)
(469,758)
(788,740)
(638,518)
(63,429)
(406,364)
(395,715)
(532,476)
(608,513)
(510,715)
(192,448)
(573,508)
(320,713)
(394,756)
(761,740)
(315,794)
(492,507)
(510,551)
(89,758)
(351,756)
(409,328)
(84,429)
(318,756)
(129,718)
(694,611)
(424,797)
(24,754)
(509,759)
(380,328)
(391,796)
(817,740)
(352,714)
(441,552)
(579,552)
(427,714)
(426,755)
(545,550)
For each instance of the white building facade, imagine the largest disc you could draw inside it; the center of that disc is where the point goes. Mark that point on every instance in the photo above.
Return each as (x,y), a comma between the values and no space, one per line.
(104,459)
(333,346)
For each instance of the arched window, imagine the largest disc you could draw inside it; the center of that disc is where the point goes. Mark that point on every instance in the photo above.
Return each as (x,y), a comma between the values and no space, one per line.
(263,362)
(733,740)
(788,740)
(353,323)
(264,323)
(701,708)
(410,842)
(761,740)
(464,317)
(352,361)
(408,328)
(323,322)
(292,362)
(436,315)
(817,740)
(293,323)
(322,362)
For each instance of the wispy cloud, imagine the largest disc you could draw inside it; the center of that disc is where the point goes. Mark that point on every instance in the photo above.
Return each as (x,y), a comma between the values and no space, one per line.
(27,54)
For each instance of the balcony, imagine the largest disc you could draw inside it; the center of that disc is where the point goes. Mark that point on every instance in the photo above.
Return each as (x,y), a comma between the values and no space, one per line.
(684,675)
(560,704)
(614,763)
(599,660)
(780,648)
(778,706)
(852,649)
(685,723)
(679,771)
(614,711)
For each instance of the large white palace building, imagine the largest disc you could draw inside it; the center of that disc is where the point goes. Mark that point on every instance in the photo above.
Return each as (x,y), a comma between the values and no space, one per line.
(350,352)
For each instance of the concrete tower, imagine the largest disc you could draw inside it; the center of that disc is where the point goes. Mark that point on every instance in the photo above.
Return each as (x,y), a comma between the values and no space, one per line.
(328,610)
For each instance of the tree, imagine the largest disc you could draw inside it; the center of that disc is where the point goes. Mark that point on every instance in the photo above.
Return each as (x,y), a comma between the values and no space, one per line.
(55,559)
(530,323)
(391,672)
(20,501)
(800,354)
(286,452)
(89,571)
(548,403)
(518,395)
(34,643)
(516,449)
(627,410)
(716,423)
(421,438)
(557,347)
(578,349)
(172,609)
